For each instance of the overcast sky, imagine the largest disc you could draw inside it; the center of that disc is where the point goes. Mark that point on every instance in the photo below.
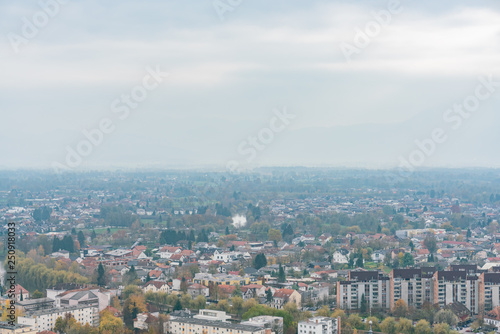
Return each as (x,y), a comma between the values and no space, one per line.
(229,70)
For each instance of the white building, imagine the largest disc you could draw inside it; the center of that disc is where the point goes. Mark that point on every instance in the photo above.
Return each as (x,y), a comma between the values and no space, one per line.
(266,321)
(212,315)
(338,257)
(318,325)
(44,320)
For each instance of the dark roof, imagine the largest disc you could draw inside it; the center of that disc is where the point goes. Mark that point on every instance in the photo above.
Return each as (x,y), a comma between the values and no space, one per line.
(492,278)
(363,275)
(452,275)
(464,267)
(407,273)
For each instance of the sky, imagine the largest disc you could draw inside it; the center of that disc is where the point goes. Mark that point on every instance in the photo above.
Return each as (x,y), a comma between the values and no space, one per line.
(238,84)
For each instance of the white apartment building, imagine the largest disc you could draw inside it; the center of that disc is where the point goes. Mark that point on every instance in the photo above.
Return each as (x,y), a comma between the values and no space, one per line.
(318,325)
(44,320)
(370,285)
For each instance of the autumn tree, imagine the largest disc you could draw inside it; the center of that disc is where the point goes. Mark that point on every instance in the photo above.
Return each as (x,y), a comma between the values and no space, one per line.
(400,308)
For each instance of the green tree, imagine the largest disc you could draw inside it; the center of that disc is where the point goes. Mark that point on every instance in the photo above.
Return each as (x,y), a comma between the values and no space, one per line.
(260,261)
(101,275)
(37,294)
(81,239)
(405,326)
(408,260)
(388,325)
(446,316)
(423,327)
(441,328)
(355,320)
(281,275)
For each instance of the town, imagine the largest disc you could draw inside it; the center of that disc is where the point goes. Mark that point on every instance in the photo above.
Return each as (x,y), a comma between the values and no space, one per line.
(278,250)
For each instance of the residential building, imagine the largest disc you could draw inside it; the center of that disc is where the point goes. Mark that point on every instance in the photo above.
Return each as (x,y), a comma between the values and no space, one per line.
(318,325)
(45,319)
(267,322)
(6,328)
(200,326)
(371,286)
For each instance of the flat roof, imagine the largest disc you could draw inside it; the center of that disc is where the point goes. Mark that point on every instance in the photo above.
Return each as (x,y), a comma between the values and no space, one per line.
(217,324)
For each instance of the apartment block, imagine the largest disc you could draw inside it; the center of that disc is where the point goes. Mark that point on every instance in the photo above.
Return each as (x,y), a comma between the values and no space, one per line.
(44,320)
(413,286)
(319,325)
(201,326)
(374,286)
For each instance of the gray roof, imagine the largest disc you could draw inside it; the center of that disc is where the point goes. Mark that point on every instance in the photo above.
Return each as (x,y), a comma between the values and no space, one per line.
(217,324)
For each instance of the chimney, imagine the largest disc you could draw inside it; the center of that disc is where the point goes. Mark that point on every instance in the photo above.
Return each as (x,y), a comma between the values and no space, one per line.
(316,320)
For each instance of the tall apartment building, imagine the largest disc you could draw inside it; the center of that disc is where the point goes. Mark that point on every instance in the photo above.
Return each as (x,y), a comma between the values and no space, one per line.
(374,286)
(413,286)
(451,286)
(489,291)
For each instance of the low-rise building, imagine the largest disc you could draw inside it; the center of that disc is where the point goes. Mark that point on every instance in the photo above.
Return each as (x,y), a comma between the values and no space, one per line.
(6,328)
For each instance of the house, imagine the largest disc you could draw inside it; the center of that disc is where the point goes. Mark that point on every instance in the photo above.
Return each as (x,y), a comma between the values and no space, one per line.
(21,293)
(167,251)
(156,286)
(338,257)
(283,296)
(492,318)
(197,289)
(378,256)
(146,321)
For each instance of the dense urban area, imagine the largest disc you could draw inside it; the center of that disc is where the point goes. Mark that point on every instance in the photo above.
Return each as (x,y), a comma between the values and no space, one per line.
(276,250)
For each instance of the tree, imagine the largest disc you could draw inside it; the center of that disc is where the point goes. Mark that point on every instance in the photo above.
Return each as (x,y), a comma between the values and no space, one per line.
(388,326)
(109,323)
(101,275)
(430,242)
(37,294)
(446,316)
(178,305)
(281,275)
(441,328)
(269,295)
(200,302)
(237,306)
(408,260)
(260,261)
(359,262)
(423,327)
(237,291)
(363,307)
(93,235)
(404,326)
(354,320)
(274,235)
(81,239)
(132,306)
(400,308)
(324,311)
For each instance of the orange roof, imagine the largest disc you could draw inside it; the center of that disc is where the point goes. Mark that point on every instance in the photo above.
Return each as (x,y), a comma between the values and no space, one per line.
(283,293)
